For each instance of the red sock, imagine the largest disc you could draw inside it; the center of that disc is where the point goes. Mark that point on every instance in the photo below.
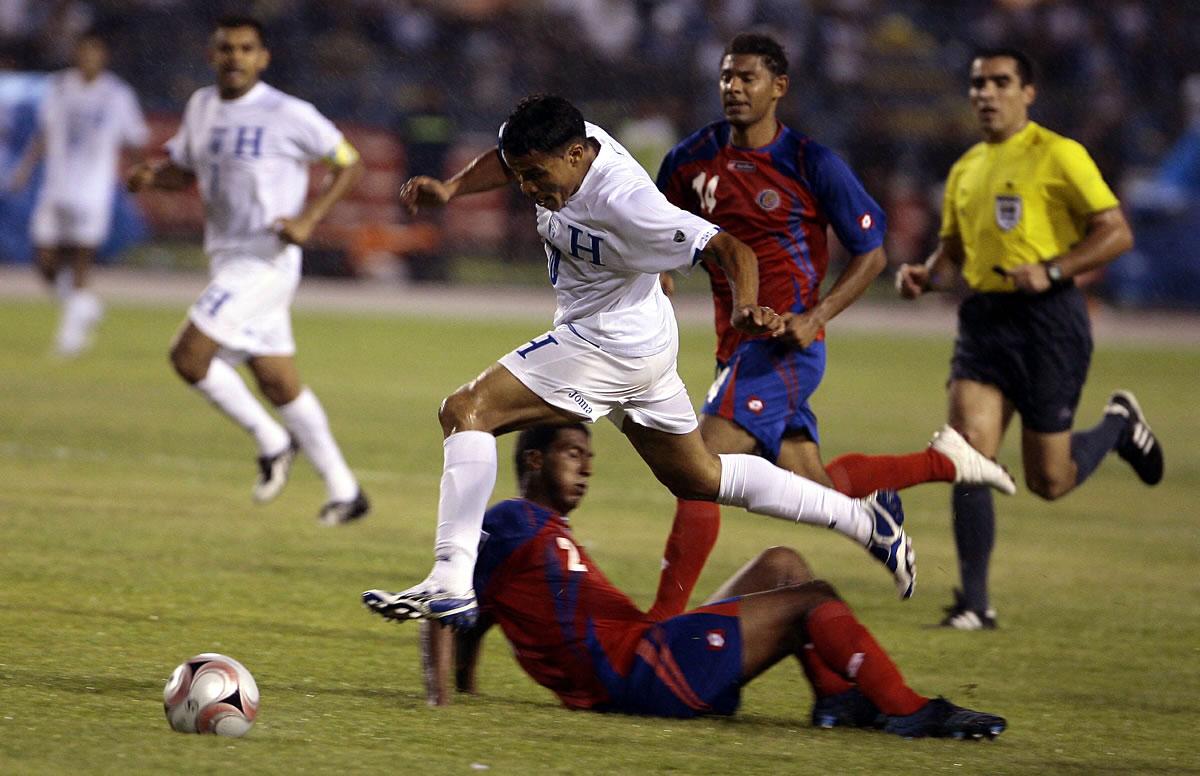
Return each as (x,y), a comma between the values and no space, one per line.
(823,679)
(849,649)
(693,535)
(859,475)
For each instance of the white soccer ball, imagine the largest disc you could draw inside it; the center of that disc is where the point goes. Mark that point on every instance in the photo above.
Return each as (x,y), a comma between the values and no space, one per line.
(211,693)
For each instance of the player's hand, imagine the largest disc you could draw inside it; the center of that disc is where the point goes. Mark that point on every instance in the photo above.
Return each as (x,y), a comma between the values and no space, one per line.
(667,281)
(1029,278)
(294,230)
(912,280)
(756,319)
(799,329)
(423,191)
(140,176)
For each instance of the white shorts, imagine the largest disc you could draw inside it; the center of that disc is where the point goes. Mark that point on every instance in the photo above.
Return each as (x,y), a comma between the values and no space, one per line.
(59,223)
(246,307)
(570,373)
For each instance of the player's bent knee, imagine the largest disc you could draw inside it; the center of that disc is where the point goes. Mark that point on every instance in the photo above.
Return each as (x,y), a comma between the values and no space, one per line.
(785,566)
(187,366)
(1048,488)
(460,410)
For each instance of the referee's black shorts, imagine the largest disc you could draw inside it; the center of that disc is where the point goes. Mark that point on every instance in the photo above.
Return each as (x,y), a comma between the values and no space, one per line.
(1035,348)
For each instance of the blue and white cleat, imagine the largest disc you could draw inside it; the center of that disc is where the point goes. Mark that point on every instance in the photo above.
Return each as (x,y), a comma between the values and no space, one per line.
(890,545)
(939,718)
(425,602)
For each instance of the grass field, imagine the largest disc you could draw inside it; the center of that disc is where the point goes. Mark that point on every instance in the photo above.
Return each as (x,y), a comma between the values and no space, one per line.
(128,543)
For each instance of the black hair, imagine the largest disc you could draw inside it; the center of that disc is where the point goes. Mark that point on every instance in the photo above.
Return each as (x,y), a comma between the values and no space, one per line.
(541,123)
(760,45)
(1024,63)
(538,438)
(234,21)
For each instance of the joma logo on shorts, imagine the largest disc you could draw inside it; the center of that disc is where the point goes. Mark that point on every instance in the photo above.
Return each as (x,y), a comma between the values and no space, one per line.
(578,399)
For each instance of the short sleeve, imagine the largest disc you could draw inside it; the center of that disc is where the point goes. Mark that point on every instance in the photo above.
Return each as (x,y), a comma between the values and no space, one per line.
(1086,190)
(855,216)
(178,148)
(315,136)
(950,225)
(657,235)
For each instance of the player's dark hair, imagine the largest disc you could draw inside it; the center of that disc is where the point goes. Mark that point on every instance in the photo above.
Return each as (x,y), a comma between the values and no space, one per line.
(236,21)
(538,438)
(759,45)
(542,123)
(1024,63)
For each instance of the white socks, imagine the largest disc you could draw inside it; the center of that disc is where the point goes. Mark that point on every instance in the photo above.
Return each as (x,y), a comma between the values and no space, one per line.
(758,485)
(468,476)
(224,387)
(306,419)
(81,311)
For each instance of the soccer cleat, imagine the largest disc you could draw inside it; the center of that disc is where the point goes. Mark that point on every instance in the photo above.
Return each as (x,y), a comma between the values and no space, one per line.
(273,471)
(939,718)
(1139,447)
(846,709)
(971,467)
(890,545)
(339,512)
(425,601)
(961,617)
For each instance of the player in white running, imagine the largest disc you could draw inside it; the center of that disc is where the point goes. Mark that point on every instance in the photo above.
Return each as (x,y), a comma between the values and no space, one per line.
(87,116)
(248,147)
(608,232)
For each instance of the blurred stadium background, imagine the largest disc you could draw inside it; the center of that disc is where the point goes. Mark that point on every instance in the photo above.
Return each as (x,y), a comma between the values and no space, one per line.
(421,85)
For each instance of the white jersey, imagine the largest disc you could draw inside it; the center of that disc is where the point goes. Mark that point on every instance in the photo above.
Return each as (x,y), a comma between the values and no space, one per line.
(251,158)
(605,248)
(85,125)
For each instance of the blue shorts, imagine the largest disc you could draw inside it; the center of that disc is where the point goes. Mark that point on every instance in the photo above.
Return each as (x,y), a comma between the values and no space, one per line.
(765,387)
(1035,348)
(687,666)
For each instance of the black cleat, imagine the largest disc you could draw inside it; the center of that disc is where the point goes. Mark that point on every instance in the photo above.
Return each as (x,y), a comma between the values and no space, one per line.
(339,512)
(846,709)
(961,617)
(939,718)
(273,471)
(1139,447)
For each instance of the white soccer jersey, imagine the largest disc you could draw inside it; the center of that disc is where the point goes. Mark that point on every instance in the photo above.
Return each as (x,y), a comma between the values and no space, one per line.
(251,158)
(606,247)
(85,124)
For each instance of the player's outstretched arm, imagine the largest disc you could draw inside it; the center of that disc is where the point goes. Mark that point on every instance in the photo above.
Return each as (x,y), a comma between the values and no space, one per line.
(739,263)
(484,173)
(935,274)
(159,174)
(24,168)
(802,329)
(446,653)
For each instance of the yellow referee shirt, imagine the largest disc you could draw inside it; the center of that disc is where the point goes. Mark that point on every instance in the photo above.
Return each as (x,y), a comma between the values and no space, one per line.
(1022,201)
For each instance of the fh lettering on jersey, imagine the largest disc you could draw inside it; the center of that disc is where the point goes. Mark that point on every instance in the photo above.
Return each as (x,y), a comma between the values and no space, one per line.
(246,142)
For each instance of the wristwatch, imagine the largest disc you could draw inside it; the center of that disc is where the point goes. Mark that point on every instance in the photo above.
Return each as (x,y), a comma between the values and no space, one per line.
(1054,273)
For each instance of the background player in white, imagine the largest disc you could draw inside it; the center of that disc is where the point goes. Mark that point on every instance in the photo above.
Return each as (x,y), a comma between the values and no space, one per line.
(87,116)
(608,231)
(249,146)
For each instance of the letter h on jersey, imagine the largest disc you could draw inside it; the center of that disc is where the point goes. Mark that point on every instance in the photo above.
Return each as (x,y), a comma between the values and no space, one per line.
(593,252)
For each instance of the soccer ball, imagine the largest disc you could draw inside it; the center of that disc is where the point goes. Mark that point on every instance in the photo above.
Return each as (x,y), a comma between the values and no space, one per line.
(211,693)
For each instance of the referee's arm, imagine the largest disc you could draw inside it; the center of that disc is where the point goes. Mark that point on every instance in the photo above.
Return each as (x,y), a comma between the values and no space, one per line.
(1106,236)
(937,273)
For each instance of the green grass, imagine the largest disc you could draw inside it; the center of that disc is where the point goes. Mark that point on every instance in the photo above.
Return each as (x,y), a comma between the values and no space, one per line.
(128,543)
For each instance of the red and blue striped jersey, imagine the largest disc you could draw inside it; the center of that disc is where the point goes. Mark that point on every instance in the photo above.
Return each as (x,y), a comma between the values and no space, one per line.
(568,625)
(778,199)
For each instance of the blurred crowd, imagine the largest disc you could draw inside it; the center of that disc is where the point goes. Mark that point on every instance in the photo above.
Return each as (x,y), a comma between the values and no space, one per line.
(882,81)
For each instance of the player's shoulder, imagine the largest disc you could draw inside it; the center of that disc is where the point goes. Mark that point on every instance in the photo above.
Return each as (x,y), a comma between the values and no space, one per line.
(1063,149)
(701,145)
(973,154)
(516,517)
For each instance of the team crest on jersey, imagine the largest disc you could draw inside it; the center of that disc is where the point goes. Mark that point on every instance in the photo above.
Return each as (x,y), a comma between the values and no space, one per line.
(1008,211)
(679,236)
(865,222)
(768,199)
(741,166)
(755,404)
(715,639)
